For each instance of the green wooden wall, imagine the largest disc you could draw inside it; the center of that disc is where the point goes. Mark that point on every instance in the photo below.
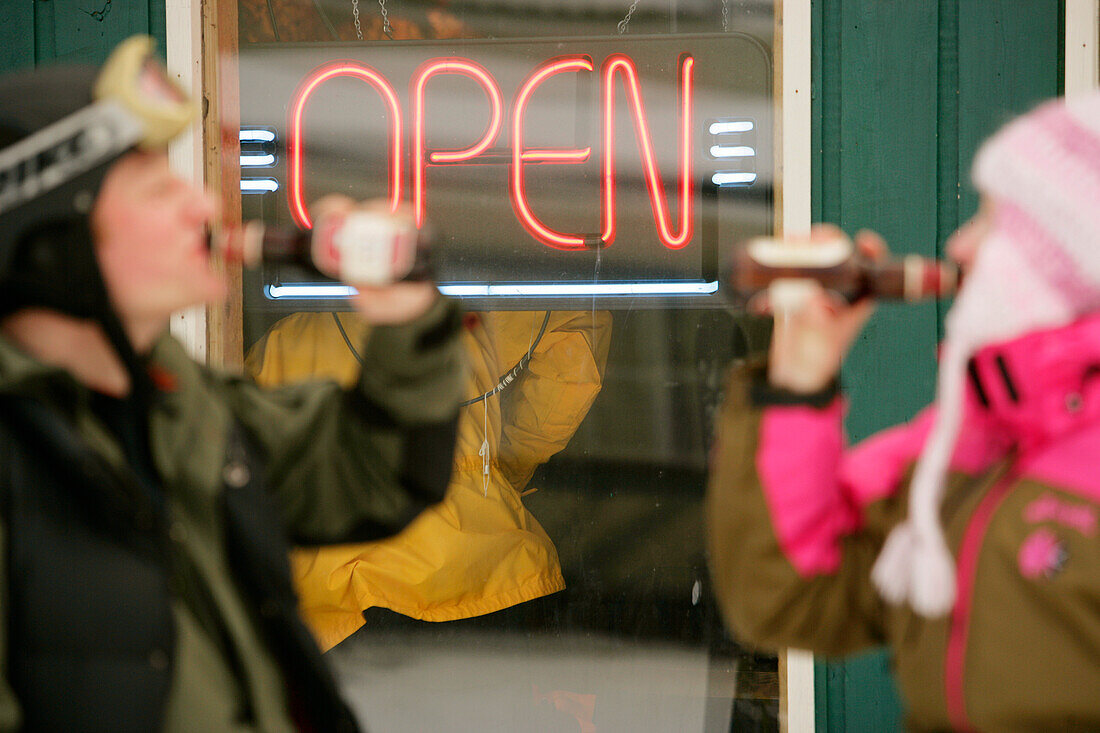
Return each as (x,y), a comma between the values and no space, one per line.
(36,32)
(904,92)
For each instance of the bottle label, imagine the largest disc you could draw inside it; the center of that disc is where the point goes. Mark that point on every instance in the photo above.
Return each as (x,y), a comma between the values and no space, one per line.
(368,248)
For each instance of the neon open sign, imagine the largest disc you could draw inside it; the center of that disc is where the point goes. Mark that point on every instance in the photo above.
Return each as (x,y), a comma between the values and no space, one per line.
(520,158)
(619,65)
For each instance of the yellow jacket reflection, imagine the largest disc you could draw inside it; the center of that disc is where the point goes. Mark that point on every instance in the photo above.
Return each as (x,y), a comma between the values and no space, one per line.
(479,550)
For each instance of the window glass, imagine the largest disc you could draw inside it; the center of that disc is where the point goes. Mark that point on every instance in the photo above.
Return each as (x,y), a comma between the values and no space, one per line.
(580,168)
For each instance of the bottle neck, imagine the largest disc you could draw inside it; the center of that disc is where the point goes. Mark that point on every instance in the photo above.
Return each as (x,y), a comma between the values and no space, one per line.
(909,278)
(912,278)
(286,245)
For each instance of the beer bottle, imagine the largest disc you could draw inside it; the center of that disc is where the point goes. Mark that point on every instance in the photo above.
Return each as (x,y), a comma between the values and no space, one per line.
(362,247)
(782,269)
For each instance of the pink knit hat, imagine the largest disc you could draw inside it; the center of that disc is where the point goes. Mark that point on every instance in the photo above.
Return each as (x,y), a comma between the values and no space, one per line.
(1038,268)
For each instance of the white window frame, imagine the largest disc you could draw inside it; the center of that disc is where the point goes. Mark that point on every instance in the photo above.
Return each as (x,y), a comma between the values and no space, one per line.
(793,54)
(1082,48)
(183,30)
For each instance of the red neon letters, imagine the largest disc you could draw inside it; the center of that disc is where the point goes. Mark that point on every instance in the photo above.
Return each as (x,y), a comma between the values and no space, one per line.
(621,64)
(488,83)
(617,65)
(519,156)
(294,132)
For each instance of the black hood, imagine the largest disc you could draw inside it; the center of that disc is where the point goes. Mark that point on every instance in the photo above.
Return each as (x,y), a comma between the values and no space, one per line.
(47,257)
(47,249)
(33,99)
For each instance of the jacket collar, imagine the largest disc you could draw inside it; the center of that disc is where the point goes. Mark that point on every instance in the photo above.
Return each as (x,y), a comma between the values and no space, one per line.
(23,374)
(187,434)
(1041,385)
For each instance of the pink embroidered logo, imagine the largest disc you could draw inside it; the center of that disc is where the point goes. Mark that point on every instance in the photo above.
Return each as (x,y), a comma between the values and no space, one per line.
(1049,508)
(1042,555)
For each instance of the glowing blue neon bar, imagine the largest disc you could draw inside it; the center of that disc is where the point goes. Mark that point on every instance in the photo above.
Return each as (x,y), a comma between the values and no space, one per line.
(464,291)
(722,151)
(730,178)
(725,128)
(257,136)
(603,289)
(259,185)
(322,291)
(299,292)
(257,161)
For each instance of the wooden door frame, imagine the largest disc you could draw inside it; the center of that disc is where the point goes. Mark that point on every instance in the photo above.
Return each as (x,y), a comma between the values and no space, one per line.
(201,40)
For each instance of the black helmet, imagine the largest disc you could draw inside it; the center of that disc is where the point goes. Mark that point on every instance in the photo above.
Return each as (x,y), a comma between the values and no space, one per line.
(61,129)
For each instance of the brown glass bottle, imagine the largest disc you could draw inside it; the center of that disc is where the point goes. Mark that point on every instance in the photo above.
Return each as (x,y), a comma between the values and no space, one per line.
(368,248)
(840,269)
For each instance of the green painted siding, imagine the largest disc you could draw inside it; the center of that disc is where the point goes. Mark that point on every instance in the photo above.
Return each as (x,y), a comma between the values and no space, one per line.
(36,32)
(904,92)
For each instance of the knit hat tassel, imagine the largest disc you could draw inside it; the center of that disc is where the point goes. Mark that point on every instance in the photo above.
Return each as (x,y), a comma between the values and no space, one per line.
(915,565)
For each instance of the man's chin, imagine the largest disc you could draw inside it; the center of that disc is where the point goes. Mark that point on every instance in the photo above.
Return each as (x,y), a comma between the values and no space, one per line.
(214,292)
(217,292)
(220,294)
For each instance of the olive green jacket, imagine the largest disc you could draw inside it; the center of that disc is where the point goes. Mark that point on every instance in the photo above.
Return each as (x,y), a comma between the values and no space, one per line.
(341,466)
(796,521)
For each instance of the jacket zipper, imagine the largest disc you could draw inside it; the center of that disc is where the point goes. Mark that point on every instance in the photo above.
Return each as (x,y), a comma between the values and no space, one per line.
(959,629)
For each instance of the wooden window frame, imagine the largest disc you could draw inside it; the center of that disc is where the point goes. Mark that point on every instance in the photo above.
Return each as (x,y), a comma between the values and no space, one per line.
(201,40)
(794,166)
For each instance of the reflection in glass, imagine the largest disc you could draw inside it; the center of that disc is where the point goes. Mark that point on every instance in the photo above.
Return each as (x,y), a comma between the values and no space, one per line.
(569,584)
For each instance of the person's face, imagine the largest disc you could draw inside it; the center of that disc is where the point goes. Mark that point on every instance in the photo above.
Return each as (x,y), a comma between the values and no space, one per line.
(149,226)
(963,245)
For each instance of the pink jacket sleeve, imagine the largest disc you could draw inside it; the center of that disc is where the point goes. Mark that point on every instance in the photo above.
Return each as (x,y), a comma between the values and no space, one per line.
(796,521)
(789,539)
(816,492)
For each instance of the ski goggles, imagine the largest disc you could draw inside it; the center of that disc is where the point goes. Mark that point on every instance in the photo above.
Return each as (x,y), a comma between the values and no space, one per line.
(136,104)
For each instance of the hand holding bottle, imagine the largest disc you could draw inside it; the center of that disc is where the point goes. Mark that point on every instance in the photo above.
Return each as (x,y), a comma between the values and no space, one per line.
(379,252)
(815,329)
(379,301)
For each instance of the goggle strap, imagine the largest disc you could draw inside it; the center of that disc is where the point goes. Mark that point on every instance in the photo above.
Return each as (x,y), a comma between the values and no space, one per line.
(69,147)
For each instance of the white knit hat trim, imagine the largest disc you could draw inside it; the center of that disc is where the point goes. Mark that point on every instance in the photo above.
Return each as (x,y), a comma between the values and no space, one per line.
(1047,165)
(1039,268)
(915,565)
